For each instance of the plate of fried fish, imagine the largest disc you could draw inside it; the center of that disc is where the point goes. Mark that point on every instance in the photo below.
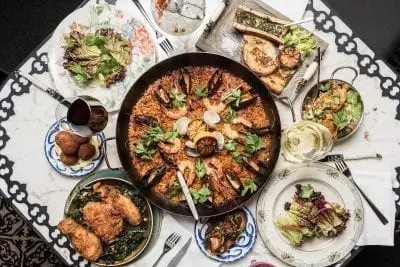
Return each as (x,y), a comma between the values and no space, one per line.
(107,221)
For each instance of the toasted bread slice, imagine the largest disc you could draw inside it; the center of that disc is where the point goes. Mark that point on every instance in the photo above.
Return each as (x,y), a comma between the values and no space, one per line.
(260,55)
(275,82)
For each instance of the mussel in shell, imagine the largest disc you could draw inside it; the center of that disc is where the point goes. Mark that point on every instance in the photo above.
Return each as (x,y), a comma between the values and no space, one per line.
(162,96)
(246,99)
(166,158)
(253,165)
(153,175)
(215,82)
(145,119)
(261,131)
(233,180)
(184,81)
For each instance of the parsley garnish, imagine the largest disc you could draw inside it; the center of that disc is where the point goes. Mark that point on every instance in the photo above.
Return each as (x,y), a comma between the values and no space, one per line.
(201,91)
(143,151)
(234,97)
(325,87)
(175,189)
(230,145)
(236,156)
(171,135)
(249,186)
(232,114)
(200,169)
(154,134)
(178,98)
(200,195)
(254,143)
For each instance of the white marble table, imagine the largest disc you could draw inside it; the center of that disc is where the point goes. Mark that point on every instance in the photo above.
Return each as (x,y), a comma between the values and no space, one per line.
(39,193)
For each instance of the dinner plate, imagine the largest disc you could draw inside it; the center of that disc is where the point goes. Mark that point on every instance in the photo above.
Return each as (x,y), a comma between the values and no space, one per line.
(243,245)
(336,188)
(90,18)
(155,214)
(53,154)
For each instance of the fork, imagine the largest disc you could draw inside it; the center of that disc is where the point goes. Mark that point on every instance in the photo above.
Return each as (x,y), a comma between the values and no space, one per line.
(342,167)
(161,39)
(171,241)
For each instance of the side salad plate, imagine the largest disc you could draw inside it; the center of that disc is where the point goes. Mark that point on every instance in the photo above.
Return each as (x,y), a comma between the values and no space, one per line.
(99,50)
(310,215)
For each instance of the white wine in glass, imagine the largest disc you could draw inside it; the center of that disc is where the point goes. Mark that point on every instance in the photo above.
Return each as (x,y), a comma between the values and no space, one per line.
(306,141)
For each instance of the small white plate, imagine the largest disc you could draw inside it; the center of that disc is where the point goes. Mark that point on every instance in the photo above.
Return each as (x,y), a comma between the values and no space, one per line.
(243,245)
(53,156)
(336,188)
(95,17)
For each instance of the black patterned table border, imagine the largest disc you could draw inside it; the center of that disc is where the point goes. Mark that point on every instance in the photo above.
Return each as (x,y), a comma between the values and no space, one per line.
(17,191)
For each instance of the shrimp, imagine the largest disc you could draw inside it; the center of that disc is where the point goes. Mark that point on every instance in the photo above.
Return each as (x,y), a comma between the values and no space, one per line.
(229,132)
(175,113)
(242,121)
(217,108)
(171,147)
(190,174)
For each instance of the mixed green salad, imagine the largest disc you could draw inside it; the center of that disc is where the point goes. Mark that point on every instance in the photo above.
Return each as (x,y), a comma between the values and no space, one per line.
(97,58)
(309,216)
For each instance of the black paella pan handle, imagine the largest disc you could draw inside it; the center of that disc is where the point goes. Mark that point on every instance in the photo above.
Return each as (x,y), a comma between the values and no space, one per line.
(346,67)
(103,147)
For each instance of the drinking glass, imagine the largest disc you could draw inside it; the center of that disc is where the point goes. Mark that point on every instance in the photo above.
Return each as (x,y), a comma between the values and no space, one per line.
(306,141)
(179,18)
(83,115)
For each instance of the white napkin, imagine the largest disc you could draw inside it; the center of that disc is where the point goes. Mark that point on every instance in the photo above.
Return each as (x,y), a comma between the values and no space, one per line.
(170,225)
(378,187)
(293,9)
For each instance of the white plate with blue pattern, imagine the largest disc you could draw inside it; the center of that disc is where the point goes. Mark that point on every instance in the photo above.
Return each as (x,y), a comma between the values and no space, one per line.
(53,154)
(243,244)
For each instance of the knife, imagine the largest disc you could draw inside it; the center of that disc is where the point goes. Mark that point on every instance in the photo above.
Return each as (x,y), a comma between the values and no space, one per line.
(179,255)
(51,92)
(337,157)
(187,194)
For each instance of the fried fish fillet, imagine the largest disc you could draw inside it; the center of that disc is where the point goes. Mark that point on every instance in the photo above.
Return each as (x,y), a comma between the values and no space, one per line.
(104,219)
(87,243)
(123,204)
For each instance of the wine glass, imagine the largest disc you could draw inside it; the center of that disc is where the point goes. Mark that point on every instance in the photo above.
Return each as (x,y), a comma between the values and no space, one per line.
(179,18)
(83,115)
(306,141)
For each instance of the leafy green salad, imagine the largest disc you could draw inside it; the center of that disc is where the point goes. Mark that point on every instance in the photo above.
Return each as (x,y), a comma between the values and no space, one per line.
(309,215)
(99,58)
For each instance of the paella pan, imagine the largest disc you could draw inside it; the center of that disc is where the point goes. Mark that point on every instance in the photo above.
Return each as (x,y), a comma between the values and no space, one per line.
(207,116)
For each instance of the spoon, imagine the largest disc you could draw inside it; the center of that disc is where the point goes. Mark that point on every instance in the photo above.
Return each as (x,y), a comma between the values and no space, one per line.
(176,6)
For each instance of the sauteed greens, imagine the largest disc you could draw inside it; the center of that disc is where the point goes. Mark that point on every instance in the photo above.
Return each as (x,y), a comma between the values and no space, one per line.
(97,58)
(338,107)
(130,236)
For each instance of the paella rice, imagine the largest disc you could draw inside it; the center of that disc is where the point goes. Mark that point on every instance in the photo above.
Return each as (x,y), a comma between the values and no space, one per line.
(168,132)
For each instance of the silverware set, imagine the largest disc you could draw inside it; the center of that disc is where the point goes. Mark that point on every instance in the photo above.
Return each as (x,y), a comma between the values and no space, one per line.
(170,242)
(161,39)
(343,168)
